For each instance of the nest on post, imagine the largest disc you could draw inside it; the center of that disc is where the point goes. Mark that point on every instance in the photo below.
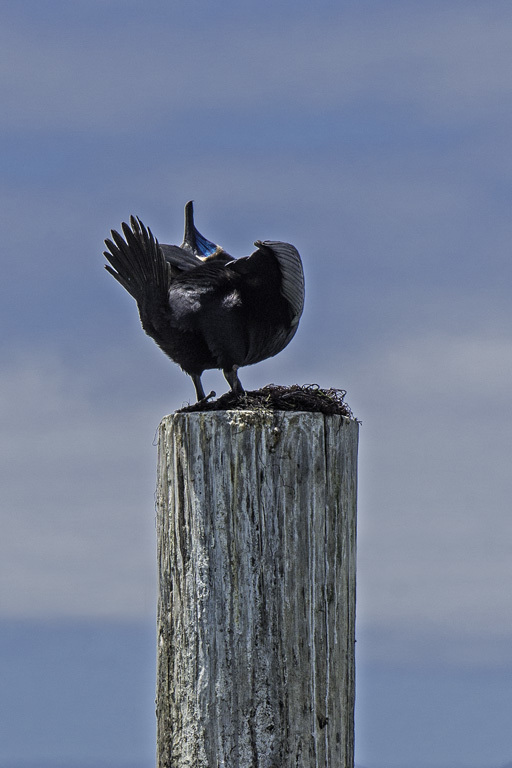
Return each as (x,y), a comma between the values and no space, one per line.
(273,397)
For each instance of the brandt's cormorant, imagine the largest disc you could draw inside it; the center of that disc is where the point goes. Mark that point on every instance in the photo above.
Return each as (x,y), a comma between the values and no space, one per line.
(204,308)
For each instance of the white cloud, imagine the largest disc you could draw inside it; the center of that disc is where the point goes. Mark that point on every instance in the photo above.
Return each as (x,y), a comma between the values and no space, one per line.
(76,492)
(435,489)
(476,369)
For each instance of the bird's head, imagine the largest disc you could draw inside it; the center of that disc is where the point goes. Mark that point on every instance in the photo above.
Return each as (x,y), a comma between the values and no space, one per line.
(195,242)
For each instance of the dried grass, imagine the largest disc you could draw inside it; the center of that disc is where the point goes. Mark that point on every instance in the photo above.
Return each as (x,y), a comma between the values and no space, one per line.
(273,397)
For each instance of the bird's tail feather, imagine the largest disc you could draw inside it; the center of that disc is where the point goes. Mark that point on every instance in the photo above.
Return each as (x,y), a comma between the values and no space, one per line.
(138,263)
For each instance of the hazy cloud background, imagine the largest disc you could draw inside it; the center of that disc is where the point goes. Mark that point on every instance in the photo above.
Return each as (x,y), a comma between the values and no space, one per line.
(374,136)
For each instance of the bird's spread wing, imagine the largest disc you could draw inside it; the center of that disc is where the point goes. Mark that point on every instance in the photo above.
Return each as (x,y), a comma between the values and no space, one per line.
(138,264)
(290,270)
(292,275)
(272,290)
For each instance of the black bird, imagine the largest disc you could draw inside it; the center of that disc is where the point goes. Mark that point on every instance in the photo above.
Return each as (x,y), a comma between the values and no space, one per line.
(204,308)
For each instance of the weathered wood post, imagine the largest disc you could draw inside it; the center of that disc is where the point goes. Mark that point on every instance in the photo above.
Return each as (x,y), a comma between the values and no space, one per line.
(256,546)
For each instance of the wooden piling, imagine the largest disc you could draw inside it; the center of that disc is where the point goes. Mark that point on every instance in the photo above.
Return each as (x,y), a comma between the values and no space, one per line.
(256,547)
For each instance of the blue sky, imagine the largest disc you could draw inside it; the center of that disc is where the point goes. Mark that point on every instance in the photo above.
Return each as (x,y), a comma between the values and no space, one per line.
(374,136)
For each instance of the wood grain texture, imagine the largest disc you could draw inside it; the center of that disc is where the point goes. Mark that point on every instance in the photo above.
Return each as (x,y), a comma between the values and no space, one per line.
(256,547)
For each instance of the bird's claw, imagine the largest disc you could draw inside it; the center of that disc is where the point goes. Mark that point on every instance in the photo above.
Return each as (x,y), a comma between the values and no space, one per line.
(206,398)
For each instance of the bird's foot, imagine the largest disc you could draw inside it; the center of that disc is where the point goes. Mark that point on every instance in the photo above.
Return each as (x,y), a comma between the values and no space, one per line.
(234,382)
(205,399)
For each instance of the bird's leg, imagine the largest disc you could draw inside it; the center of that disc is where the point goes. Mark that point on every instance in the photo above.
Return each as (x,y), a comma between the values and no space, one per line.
(201,397)
(232,379)
(196,378)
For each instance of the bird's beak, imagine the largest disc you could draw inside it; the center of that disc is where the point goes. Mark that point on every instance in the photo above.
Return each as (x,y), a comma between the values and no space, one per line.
(193,240)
